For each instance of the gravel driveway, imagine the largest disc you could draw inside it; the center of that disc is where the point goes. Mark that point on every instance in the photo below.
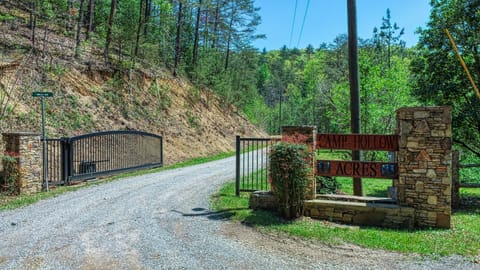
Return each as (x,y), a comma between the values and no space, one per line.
(162,221)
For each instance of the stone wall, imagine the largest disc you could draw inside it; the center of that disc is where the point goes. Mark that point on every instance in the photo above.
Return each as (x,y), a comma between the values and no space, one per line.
(304,135)
(29,149)
(424,162)
(362,213)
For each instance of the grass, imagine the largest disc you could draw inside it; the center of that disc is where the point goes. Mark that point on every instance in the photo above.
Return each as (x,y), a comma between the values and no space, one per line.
(12,202)
(371,187)
(463,239)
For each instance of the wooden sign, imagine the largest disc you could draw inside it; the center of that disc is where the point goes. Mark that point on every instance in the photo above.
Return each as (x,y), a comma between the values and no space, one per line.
(357,142)
(357,169)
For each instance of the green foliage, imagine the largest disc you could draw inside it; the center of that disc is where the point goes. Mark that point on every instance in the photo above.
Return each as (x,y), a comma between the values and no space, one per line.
(162,93)
(311,87)
(11,174)
(58,69)
(193,120)
(327,185)
(469,175)
(288,172)
(439,78)
(6,17)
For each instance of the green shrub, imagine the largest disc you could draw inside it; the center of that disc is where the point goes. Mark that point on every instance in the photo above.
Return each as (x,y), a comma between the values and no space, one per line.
(11,175)
(327,184)
(289,177)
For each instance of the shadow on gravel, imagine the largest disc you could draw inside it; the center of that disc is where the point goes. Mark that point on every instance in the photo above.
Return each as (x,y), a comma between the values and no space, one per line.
(213,215)
(264,218)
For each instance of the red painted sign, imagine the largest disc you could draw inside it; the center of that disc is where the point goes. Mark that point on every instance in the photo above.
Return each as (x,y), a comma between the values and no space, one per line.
(357,142)
(357,169)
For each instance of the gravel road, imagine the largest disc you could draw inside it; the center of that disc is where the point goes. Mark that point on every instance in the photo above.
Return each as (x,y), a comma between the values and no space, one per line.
(162,221)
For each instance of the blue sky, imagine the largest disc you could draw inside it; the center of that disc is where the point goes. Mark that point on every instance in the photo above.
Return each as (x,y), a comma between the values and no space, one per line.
(328,18)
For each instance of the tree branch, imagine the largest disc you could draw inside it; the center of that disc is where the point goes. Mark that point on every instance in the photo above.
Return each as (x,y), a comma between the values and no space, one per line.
(466,146)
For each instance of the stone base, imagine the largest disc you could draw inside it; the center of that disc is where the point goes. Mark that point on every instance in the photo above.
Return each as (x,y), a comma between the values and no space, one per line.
(361,213)
(263,200)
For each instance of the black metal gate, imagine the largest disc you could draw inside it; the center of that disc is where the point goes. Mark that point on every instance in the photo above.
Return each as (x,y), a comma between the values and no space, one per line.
(252,162)
(102,153)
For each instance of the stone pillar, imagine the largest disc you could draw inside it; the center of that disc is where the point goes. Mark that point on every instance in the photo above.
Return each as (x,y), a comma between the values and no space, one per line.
(29,149)
(304,135)
(424,162)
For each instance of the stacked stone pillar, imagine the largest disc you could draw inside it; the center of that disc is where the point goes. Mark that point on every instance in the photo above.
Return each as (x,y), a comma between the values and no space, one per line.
(304,135)
(27,147)
(424,162)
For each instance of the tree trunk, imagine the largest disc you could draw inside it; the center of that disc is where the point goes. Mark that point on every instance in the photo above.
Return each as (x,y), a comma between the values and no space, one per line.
(32,14)
(215,24)
(69,15)
(91,15)
(79,29)
(148,12)
(205,36)
(33,22)
(139,29)
(230,24)
(178,49)
(197,25)
(108,39)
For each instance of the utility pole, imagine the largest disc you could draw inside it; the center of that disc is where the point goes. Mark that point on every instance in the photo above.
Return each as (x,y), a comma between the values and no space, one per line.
(354,84)
(280,114)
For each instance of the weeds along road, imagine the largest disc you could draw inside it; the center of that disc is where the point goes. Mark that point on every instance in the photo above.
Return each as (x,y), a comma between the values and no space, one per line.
(158,221)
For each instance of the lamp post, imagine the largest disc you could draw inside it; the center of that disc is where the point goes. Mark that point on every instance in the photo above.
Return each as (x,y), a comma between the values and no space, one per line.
(43,95)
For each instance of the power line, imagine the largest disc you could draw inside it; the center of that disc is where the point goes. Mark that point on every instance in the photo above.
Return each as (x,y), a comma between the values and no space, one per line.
(293,24)
(303,23)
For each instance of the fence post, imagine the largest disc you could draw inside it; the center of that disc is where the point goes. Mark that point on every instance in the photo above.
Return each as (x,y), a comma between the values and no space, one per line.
(161,150)
(237,166)
(455,179)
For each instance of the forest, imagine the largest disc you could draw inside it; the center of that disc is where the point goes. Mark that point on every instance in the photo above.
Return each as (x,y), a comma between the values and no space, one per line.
(210,43)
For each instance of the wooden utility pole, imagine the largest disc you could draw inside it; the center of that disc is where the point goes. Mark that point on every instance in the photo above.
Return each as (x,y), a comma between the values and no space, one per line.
(354,84)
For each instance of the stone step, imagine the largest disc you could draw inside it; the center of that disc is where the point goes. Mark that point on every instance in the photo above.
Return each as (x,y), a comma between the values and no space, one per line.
(352,198)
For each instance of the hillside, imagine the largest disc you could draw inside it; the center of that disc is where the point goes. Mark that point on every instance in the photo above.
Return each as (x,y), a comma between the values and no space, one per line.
(90,96)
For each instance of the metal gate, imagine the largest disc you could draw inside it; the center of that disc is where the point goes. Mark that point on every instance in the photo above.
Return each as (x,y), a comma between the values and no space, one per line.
(102,153)
(252,163)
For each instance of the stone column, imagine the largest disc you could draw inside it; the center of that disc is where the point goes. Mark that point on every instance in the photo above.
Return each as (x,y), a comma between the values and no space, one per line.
(29,149)
(304,135)
(424,162)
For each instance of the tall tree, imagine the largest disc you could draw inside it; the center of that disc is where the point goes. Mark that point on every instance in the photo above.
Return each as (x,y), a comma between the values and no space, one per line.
(139,28)
(197,26)
(108,38)
(148,13)
(439,77)
(91,15)
(79,30)
(216,22)
(388,36)
(178,47)
(33,20)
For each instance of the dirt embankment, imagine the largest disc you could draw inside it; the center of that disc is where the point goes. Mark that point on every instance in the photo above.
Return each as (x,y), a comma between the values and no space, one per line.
(90,96)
